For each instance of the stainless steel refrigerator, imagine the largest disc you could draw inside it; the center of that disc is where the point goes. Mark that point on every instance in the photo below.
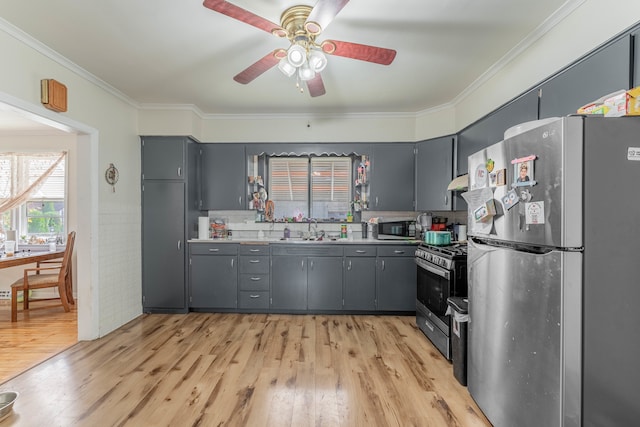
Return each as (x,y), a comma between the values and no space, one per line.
(554,274)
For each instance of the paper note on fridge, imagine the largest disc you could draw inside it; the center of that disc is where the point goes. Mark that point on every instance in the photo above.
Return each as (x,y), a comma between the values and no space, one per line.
(534,212)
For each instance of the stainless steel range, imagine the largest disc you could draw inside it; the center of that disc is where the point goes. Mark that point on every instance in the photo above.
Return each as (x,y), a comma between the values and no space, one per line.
(442,273)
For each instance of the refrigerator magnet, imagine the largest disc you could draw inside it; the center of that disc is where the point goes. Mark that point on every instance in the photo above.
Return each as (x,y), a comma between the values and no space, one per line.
(501,177)
(534,212)
(510,199)
(523,173)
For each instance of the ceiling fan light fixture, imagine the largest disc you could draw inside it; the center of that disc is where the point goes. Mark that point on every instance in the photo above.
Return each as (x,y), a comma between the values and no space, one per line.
(296,55)
(286,68)
(306,73)
(317,60)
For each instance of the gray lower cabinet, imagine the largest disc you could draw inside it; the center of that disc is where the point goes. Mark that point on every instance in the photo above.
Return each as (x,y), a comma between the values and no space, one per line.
(213,276)
(254,277)
(306,278)
(288,282)
(324,283)
(396,278)
(359,291)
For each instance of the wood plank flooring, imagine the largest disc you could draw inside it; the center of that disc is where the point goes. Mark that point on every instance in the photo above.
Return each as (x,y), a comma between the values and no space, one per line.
(204,369)
(43,331)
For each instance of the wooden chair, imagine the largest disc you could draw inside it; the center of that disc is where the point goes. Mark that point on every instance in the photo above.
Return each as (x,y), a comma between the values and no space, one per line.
(58,276)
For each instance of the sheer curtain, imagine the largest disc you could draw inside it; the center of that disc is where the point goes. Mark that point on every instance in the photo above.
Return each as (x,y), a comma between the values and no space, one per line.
(16,188)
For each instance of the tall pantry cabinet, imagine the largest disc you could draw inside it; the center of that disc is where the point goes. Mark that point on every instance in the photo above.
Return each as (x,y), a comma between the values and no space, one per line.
(170,210)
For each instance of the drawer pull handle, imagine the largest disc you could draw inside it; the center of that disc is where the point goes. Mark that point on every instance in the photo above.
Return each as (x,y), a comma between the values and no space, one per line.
(360,251)
(254,261)
(256,279)
(214,250)
(254,296)
(398,252)
(428,325)
(254,250)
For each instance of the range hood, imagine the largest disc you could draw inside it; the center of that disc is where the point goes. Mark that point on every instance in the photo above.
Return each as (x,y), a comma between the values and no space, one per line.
(460,183)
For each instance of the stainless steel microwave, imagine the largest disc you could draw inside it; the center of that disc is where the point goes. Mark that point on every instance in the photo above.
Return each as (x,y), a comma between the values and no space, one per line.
(394,229)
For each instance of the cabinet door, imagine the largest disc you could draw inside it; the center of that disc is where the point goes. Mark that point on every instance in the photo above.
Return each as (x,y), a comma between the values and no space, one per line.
(434,171)
(396,284)
(636,58)
(289,282)
(490,130)
(324,283)
(223,177)
(392,178)
(602,72)
(163,246)
(360,283)
(214,281)
(163,157)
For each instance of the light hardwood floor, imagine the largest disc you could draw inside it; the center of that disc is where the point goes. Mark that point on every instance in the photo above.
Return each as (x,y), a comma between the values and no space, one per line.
(248,370)
(42,332)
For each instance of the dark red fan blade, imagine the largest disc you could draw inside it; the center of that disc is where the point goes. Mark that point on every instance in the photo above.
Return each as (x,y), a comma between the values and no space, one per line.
(241,14)
(256,69)
(316,86)
(363,52)
(323,13)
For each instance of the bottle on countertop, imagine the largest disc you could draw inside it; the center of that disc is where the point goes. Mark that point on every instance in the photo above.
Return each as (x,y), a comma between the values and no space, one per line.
(343,231)
(287,233)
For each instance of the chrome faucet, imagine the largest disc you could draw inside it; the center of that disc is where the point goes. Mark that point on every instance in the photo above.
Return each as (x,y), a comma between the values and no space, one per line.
(315,227)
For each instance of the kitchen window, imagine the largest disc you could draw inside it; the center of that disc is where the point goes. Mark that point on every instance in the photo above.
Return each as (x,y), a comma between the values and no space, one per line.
(310,187)
(33,196)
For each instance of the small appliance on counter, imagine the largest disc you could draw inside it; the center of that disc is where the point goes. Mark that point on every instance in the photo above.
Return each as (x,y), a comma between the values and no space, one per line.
(394,229)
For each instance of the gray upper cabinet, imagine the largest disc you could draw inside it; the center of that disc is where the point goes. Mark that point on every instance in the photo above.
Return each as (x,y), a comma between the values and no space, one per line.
(490,130)
(164,157)
(434,171)
(636,58)
(604,71)
(392,177)
(223,175)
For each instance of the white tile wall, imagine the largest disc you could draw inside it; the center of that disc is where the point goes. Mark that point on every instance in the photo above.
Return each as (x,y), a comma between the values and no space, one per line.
(120,268)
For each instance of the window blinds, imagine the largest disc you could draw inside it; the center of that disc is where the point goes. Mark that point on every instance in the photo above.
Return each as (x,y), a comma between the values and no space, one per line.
(331,179)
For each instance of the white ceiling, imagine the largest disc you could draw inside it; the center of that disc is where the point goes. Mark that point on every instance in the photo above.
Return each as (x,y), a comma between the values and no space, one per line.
(179,52)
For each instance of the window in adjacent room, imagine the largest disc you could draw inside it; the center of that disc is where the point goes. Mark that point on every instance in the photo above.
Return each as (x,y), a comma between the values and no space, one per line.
(33,196)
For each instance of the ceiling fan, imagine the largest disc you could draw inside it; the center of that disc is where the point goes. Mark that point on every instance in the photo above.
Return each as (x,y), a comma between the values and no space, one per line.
(305,57)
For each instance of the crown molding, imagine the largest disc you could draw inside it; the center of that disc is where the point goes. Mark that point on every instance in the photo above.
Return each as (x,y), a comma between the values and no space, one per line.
(557,17)
(45,50)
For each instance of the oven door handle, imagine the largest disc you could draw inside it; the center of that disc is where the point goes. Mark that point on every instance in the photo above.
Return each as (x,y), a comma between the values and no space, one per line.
(432,269)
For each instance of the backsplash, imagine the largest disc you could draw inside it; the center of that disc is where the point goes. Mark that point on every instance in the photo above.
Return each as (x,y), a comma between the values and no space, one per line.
(243,225)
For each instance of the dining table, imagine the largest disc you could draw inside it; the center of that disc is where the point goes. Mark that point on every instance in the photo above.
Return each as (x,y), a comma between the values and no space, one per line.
(24,257)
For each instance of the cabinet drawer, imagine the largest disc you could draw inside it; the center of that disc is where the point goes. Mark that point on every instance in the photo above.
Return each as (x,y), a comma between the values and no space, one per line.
(368,250)
(213,249)
(254,264)
(254,249)
(396,250)
(308,249)
(251,299)
(254,282)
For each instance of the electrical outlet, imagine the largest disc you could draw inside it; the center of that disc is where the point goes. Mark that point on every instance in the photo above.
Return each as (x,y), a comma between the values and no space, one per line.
(5,294)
